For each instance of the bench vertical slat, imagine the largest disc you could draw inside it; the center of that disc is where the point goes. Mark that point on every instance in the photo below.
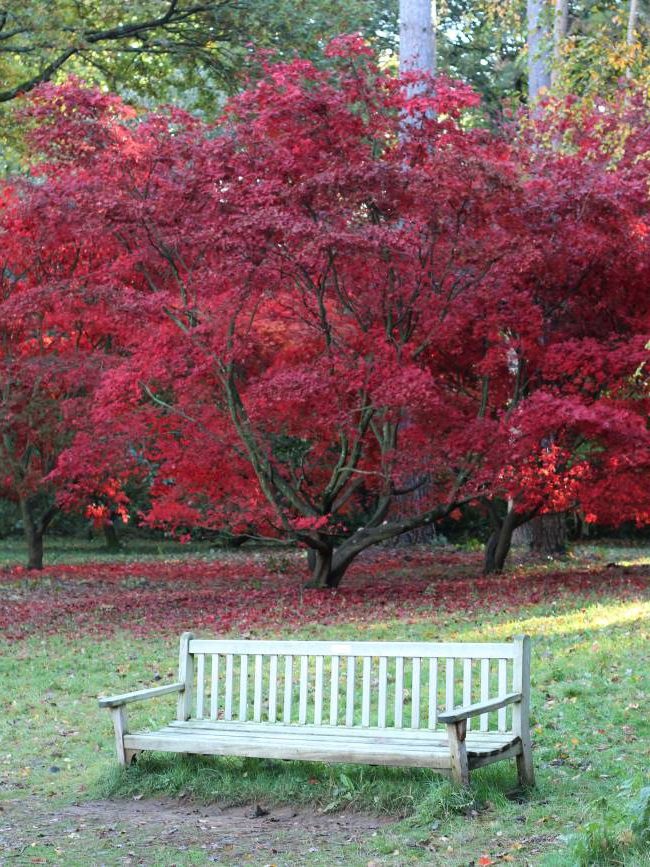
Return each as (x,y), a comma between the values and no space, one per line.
(485,692)
(399,691)
(273,688)
(318,692)
(186,676)
(382,698)
(302,698)
(467,686)
(365,692)
(503,689)
(449,683)
(415,694)
(334,691)
(257,688)
(243,687)
(214,687)
(288,689)
(349,696)
(521,710)
(433,692)
(227,711)
(200,684)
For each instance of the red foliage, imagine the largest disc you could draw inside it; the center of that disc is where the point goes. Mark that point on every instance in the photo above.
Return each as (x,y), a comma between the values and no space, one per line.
(304,310)
(246,595)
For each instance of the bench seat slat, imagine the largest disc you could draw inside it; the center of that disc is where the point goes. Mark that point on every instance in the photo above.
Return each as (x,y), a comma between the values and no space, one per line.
(341,732)
(478,742)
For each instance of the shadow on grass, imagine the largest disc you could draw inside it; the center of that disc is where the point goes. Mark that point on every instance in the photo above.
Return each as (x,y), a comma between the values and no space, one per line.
(416,793)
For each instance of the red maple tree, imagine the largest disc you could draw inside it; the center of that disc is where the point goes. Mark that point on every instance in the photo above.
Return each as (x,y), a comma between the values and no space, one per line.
(315,307)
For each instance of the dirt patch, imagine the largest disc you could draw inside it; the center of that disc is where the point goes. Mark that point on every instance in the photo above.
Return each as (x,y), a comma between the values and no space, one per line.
(124,832)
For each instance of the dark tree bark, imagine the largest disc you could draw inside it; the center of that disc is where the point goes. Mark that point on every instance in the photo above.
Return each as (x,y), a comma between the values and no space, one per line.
(499,543)
(549,535)
(111,537)
(34,528)
(328,562)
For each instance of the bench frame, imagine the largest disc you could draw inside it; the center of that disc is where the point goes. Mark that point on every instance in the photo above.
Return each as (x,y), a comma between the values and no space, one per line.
(128,745)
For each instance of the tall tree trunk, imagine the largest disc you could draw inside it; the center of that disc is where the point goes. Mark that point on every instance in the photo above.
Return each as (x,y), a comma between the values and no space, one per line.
(539,67)
(34,530)
(417,45)
(632,20)
(560,24)
(110,536)
(549,534)
(498,545)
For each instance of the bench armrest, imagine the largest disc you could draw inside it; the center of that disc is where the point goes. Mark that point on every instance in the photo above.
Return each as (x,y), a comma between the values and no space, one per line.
(140,695)
(470,710)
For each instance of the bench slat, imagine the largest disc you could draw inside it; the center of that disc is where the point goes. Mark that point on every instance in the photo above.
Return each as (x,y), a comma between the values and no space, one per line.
(334,691)
(382,698)
(467,686)
(392,649)
(339,731)
(485,692)
(273,688)
(449,683)
(365,691)
(433,693)
(399,691)
(257,688)
(349,695)
(288,688)
(415,694)
(200,684)
(503,689)
(243,686)
(227,711)
(214,687)
(302,698)
(318,692)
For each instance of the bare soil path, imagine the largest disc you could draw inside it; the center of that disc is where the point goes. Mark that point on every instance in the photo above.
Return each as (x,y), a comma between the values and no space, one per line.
(170,832)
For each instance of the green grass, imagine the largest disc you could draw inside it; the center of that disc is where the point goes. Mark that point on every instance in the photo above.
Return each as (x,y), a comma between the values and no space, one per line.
(66,550)
(590,681)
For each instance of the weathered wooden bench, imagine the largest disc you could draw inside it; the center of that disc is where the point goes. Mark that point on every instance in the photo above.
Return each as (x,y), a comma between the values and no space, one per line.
(368,702)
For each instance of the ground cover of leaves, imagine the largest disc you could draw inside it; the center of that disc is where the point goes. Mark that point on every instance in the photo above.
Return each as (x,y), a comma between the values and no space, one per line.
(90,628)
(248,593)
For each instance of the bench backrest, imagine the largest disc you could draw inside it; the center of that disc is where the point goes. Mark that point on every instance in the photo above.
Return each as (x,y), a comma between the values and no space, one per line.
(349,683)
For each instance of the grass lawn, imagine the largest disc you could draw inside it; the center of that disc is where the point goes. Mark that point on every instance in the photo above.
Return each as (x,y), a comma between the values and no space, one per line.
(81,630)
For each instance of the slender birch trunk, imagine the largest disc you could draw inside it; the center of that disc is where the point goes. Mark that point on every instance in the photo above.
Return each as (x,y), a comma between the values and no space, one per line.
(560,25)
(539,66)
(417,41)
(632,22)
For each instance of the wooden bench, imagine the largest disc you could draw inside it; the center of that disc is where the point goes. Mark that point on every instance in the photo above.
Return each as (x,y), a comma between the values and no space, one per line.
(367,702)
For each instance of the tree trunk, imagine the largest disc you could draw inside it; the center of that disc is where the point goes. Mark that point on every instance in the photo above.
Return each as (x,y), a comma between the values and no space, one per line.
(549,534)
(539,67)
(325,572)
(497,548)
(560,24)
(34,532)
(498,545)
(417,42)
(632,22)
(111,537)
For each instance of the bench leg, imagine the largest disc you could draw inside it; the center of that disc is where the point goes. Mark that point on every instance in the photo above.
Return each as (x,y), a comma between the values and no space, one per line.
(120,726)
(459,770)
(131,756)
(525,770)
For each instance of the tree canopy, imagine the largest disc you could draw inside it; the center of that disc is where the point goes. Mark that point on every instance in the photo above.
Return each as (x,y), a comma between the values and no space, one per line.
(300,312)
